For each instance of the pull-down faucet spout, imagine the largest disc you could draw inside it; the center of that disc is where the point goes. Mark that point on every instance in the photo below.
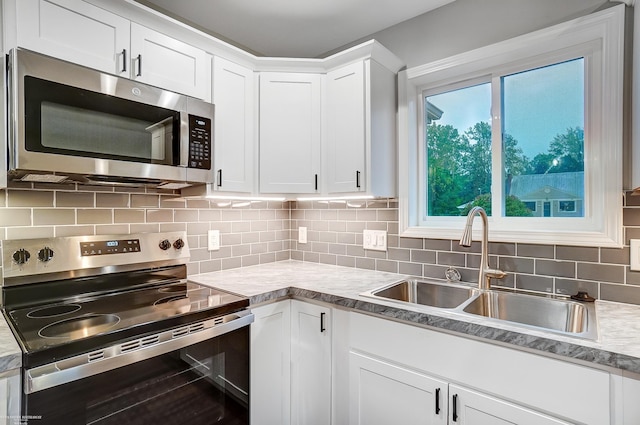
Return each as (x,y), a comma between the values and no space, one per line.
(485,273)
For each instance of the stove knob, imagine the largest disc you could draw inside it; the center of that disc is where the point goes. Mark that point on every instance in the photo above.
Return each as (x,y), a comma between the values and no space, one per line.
(45,254)
(165,244)
(21,256)
(178,244)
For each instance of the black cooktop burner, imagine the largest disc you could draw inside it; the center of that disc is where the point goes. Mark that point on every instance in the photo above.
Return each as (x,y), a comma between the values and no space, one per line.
(53,311)
(80,327)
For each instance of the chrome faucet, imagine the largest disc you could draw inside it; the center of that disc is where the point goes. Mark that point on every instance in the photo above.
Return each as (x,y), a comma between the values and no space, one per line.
(485,273)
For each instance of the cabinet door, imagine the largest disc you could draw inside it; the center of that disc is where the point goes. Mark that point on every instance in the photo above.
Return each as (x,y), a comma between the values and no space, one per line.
(472,408)
(346,134)
(10,397)
(75,31)
(383,393)
(270,364)
(310,364)
(289,132)
(168,63)
(234,141)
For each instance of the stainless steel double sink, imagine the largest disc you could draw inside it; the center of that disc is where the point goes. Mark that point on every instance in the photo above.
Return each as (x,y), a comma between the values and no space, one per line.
(557,315)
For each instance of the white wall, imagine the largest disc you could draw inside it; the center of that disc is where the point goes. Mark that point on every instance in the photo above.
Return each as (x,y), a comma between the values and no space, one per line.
(468,24)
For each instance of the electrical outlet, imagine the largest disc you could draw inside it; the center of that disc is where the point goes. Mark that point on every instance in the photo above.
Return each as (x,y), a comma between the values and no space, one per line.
(213,240)
(634,254)
(302,235)
(375,240)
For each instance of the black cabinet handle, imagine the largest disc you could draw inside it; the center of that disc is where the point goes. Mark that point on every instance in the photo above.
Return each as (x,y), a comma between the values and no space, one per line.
(316,181)
(437,401)
(139,59)
(220,177)
(358,179)
(322,328)
(124,60)
(455,408)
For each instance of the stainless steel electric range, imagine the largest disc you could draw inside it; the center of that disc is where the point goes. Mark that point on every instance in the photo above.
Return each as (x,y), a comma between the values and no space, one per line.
(113,332)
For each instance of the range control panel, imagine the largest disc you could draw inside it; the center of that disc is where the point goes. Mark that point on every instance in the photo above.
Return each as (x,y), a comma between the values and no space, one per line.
(114,246)
(31,257)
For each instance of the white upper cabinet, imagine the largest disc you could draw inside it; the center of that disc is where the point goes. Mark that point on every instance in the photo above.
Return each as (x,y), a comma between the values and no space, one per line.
(234,141)
(75,31)
(290,132)
(79,32)
(361,130)
(346,129)
(165,62)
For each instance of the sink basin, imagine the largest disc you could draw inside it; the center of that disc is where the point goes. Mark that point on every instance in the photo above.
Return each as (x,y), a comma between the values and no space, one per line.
(569,317)
(423,292)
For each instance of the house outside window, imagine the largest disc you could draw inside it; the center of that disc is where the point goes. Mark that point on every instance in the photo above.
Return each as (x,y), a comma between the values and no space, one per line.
(529,129)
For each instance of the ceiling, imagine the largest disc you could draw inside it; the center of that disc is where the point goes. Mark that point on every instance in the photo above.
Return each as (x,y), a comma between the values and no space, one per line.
(293,28)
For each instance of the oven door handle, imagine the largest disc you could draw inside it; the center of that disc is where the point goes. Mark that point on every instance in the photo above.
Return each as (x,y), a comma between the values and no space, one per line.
(89,364)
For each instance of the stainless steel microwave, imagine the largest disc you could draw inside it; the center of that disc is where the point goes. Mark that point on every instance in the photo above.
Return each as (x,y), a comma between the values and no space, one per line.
(71,123)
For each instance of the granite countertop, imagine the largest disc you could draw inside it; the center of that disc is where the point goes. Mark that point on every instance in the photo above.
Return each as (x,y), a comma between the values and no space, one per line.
(10,353)
(618,343)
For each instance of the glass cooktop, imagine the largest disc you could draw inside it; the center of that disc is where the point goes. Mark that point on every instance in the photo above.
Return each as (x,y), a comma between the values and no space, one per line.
(46,326)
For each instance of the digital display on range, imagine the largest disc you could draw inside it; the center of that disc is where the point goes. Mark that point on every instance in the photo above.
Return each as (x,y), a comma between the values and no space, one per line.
(120,246)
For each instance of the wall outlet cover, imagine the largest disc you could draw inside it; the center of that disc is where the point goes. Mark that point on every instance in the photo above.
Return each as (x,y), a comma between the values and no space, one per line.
(634,254)
(213,240)
(375,240)
(302,235)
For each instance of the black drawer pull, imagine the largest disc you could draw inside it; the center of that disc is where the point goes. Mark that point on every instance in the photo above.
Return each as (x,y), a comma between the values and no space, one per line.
(322,328)
(437,401)
(455,408)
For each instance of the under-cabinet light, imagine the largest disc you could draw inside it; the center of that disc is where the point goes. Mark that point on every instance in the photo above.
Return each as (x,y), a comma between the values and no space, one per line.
(339,198)
(245,198)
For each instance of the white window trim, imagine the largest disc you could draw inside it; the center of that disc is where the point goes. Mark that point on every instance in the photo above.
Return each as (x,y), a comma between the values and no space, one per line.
(602,224)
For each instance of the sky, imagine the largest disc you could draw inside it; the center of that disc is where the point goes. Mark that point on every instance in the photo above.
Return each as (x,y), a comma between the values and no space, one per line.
(538,105)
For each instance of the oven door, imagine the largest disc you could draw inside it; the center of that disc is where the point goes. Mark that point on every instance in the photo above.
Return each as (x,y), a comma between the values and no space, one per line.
(202,383)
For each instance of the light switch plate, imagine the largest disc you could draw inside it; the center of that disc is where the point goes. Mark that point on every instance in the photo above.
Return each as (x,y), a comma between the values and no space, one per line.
(375,240)
(634,254)
(213,238)
(302,235)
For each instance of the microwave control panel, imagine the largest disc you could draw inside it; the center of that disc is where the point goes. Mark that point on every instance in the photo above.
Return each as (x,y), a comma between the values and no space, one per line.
(199,142)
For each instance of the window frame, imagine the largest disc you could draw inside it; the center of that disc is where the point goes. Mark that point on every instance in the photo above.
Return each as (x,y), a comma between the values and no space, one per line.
(599,39)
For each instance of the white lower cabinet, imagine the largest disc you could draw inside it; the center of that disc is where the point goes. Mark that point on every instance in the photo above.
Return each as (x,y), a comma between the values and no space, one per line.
(383,393)
(271,364)
(488,384)
(10,395)
(291,364)
(469,407)
(310,364)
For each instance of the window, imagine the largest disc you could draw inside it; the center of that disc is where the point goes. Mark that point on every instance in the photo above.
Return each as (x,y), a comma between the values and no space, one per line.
(529,129)
(542,136)
(567,206)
